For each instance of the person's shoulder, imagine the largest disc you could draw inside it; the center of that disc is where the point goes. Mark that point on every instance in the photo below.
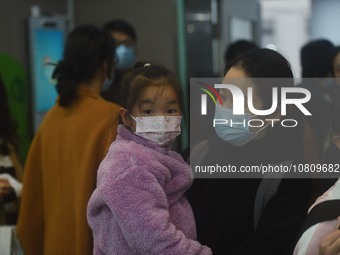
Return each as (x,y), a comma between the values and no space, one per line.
(104,105)
(49,117)
(101,110)
(111,107)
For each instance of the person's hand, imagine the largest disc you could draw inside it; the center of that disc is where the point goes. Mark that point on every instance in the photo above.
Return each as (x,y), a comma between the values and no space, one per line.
(5,187)
(330,245)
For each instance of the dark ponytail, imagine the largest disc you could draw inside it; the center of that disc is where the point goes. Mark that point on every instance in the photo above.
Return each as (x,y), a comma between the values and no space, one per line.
(87,49)
(66,86)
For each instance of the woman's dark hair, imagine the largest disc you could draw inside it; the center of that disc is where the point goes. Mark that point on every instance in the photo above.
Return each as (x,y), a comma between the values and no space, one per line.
(122,26)
(144,75)
(270,69)
(265,65)
(7,126)
(87,48)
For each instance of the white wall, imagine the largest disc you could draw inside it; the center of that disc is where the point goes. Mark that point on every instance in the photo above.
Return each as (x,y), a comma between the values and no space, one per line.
(325,21)
(285,23)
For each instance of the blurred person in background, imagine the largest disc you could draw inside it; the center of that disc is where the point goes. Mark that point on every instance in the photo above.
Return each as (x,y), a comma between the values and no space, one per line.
(336,66)
(316,62)
(126,38)
(238,48)
(321,224)
(332,153)
(61,167)
(10,166)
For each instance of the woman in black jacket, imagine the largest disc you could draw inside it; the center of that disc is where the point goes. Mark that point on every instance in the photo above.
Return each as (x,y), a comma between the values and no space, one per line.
(241,215)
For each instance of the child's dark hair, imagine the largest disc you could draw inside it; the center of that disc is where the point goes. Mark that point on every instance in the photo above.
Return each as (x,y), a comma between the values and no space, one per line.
(86,49)
(144,75)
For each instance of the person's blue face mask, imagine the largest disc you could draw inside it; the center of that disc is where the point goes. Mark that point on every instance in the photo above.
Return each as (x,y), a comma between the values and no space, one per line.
(107,83)
(237,134)
(125,57)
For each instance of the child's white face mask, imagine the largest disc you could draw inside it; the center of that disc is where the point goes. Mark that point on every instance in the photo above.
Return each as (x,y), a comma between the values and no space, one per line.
(159,129)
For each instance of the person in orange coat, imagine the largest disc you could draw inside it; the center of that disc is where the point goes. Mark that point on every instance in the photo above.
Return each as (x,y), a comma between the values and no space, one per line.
(62,163)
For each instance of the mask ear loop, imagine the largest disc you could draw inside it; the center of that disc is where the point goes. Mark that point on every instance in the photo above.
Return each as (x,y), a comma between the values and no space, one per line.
(132,117)
(261,129)
(265,126)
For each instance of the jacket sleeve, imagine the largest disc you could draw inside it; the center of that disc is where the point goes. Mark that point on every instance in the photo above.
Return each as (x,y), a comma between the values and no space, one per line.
(280,221)
(139,203)
(30,226)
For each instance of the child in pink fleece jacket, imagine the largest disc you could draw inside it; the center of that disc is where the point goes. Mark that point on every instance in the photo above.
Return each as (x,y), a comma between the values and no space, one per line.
(139,205)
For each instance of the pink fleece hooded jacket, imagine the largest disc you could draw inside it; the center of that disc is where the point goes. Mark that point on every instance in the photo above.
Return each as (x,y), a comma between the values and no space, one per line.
(139,205)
